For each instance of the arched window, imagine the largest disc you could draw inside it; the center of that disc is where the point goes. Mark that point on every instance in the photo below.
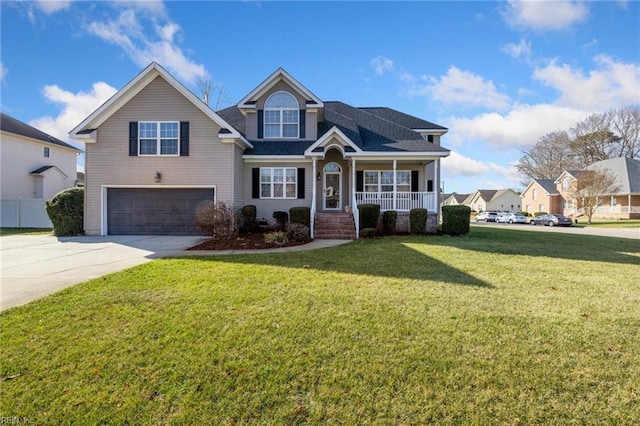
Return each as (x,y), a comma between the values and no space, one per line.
(281,116)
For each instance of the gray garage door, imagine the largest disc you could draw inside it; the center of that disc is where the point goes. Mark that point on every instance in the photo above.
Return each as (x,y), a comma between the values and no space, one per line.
(138,211)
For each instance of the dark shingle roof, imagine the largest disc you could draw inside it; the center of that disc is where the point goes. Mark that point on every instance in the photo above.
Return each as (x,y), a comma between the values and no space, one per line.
(548,185)
(17,127)
(487,194)
(40,170)
(371,129)
(625,171)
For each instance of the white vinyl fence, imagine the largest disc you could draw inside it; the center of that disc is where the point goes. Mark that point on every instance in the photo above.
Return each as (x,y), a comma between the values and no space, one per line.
(24,213)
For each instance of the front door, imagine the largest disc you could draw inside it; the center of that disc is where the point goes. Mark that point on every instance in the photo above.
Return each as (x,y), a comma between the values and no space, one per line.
(332,182)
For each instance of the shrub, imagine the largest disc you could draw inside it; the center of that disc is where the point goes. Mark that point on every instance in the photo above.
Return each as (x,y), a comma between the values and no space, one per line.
(525,214)
(300,215)
(298,232)
(247,219)
(389,219)
(418,221)
(216,220)
(536,214)
(367,233)
(455,220)
(277,237)
(282,218)
(369,214)
(66,211)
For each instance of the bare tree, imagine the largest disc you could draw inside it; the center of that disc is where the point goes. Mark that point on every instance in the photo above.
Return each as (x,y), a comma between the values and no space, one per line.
(208,89)
(548,158)
(591,186)
(595,146)
(625,122)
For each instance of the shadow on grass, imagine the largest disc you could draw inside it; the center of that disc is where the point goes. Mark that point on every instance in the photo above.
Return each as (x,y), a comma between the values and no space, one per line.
(511,241)
(394,257)
(384,257)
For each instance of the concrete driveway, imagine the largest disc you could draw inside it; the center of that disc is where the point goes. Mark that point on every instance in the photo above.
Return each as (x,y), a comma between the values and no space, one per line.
(36,266)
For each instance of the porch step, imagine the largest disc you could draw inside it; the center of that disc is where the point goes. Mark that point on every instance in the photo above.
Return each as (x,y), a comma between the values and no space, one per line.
(334,226)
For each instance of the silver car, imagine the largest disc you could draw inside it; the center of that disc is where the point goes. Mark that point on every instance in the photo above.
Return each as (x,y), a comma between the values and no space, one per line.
(551,220)
(511,218)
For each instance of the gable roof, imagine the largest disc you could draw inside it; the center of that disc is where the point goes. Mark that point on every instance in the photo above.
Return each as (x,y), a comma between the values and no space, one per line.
(369,129)
(548,186)
(41,170)
(278,75)
(13,125)
(626,172)
(84,130)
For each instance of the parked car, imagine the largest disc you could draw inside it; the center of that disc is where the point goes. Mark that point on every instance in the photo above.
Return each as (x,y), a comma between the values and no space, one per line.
(551,220)
(511,218)
(488,216)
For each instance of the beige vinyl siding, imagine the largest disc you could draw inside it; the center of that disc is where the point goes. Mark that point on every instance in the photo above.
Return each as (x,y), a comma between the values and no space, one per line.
(108,161)
(265,208)
(238,177)
(252,125)
(311,125)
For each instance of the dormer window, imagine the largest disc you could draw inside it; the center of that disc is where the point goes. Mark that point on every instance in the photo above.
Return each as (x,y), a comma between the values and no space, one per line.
(281,116)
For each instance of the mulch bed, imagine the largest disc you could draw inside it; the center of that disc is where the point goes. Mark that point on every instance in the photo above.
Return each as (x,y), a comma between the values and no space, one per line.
(250,241)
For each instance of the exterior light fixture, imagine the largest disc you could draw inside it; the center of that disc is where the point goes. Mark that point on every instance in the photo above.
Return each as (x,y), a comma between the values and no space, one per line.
(157,177)
(318,176)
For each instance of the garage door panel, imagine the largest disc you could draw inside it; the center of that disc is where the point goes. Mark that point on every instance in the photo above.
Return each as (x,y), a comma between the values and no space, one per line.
(150,211)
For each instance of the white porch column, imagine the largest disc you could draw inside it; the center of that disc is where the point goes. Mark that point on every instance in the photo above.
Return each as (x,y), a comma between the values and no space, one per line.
(354,203)
(436,180)
(395,185)
(313,194)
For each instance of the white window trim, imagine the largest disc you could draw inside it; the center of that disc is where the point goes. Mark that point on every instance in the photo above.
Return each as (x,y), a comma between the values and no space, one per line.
(46,152)
(159,140)
(284,183)
(379,184)
(281,122)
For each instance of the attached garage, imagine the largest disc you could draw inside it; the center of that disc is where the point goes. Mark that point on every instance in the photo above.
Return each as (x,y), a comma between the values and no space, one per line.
(154,211)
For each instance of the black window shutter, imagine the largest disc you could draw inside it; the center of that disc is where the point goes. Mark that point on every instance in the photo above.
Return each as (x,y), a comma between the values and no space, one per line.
(415,183)
(300,183)
(359,181)
(260,124)
(429,185)
(302,124)
(184,138)
(133,138)
(255,182)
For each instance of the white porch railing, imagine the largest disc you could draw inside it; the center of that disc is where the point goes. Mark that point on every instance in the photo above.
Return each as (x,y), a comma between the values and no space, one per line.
(399,201)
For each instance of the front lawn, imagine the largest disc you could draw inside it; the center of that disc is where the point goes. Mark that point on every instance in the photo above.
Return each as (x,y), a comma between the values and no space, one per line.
(501,327)
(4,232)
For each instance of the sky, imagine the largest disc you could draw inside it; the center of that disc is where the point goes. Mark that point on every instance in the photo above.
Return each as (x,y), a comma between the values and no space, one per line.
(498,75)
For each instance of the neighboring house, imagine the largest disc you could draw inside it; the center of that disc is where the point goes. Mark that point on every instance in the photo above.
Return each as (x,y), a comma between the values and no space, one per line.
(155,151)
(624,203)
(35,166)
(542,195)
(506,200)
(455,199)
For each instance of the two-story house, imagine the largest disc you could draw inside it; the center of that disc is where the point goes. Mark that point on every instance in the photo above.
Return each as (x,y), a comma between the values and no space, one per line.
(155,151)
(35,166)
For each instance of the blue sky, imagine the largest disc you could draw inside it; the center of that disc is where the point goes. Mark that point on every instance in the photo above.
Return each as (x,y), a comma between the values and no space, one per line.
(499,75)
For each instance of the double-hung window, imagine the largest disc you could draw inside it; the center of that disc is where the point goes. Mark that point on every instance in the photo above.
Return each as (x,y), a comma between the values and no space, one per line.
(278,182)
(382,181)
(159,137)
(281,116)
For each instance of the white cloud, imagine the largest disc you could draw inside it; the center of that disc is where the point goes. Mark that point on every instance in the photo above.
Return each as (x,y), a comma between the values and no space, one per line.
(523,126)
(457,87)
(52,6)
(75,107)
(521,50)
(127,32)
(456,164)
(611,85)
(380,64)
(544,15)
(3,72)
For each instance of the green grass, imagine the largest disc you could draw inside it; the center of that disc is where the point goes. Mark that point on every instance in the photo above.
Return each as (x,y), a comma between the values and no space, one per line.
(602,223)
(25,231)
(500,327)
